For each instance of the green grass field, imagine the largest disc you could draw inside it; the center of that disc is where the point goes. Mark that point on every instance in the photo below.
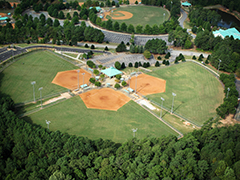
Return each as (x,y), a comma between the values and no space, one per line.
(73,117)
(199,93)
(144,15)
(40,66)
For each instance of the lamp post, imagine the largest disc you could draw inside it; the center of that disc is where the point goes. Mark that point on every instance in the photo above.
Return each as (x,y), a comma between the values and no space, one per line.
(33,82)
(162,106)
(219,65)
(136,84)
(163,17)
(228,89)
(173,102)
(40,89)
(78,77)
(134,131)
(48,122)
(83,77)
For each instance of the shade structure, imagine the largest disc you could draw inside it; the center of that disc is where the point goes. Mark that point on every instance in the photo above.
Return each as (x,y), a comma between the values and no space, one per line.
(111,72)
(186,4)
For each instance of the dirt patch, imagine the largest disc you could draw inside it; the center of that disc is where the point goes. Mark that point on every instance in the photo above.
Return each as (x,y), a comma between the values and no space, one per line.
(81,3)
(133,1)
(3,14)
(229,121)
(106,98)
(125,15)
(148,84)
(69,79)
(12,3)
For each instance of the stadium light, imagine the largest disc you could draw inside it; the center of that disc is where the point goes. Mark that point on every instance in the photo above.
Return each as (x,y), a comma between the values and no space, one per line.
(162,106)
(83,77)
(40,89)
(134,131)
(173,102)
(228,89)
(34,99)
(219,65)
(136,84)
(78,77)
(48,122)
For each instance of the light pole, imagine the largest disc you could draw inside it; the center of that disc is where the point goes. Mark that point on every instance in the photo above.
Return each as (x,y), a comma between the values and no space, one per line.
(48,122)
(33,82)
(162,106)
(171,7)
(78,77)
(83,77)
(164,17)
(134,131)
(40,89)
(228,89)
(173,102)
(136,84)
(219,65)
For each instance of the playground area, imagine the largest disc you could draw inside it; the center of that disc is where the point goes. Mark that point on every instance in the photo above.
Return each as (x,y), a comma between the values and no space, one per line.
(105,98)
(147,84)
(69,79)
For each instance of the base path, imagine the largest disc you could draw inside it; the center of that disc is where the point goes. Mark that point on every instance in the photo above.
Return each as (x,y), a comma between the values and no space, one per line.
(104,98)
(147,84)
(69,79)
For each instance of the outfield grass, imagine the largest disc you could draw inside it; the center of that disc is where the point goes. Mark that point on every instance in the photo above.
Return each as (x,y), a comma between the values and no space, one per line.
(199,93)
(71,54)
(40,66)
(72,116)
(144,15)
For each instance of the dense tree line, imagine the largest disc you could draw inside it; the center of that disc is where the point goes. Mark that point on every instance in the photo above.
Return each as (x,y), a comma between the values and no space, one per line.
(203,17)
(5,4)
(172,5)
(28,29)
(231,96)
(30,151)
(157,46)
(231,4)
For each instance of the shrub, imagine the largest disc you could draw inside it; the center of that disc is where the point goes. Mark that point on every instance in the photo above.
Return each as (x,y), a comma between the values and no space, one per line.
(130,65)
(164,61)
(148,64)
(86,46)
(147,54)
(157,64)
(136,65)
(117,65)
(145,65)
(123,66)
(176,60)
(91,64)
(124,83)
(97,83)
(159,58)
(128,44)
(92,80)
(106,48)
(118,76)
(207,62)
(136,2)
(92,46)
(107,42)
(167,55)
(96,72)
(139,64)
(117,86)
(100,66)
(194,57)
(167,63)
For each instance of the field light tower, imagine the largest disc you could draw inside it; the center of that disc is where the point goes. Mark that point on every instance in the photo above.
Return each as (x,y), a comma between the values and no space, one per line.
(34,99)
(173,102)
(40,89)
(83,77)
(136,84)
(228,89)
(134,131)
(48,122)
(219,65)
(162,106)
(78,77)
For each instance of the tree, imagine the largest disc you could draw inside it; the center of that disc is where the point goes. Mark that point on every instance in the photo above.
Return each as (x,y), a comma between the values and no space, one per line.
(97,83)
(86,46)
(156,46)
(157,64)
(92,46)
(147,54)
(117,65)
(136,2)
(116,26)
(118,76)
(56,23)
(123,66)
(139,29)
(117,86)
(106,48)
(61,15)
(123,27)
(124,83)
(159,58)
(136,65)
(194,57)
(92,80)
(95,71)
(121,47)
(130,65)
(130,29)
(167,63)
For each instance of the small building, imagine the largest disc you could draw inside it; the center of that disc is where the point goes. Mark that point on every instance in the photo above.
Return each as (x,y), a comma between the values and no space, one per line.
(186,4)
(98,8)
(229,32)
(111,72)
(3,19)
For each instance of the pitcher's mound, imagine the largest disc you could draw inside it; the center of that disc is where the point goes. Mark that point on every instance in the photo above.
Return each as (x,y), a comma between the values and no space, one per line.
(105,98)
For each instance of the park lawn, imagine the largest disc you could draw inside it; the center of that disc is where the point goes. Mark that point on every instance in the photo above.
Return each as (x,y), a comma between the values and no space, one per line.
(198,92)
(73,117)
(144,15)
(74,55)
(39,66)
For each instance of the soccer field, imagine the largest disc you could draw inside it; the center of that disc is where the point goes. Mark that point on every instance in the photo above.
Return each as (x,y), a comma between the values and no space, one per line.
(143,15)
(73,117)
(199,93)
(39,66)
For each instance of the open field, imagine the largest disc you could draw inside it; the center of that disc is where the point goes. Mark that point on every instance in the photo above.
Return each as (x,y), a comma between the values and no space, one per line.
(199,93)
(42,67)
(73,117)
(143,15)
